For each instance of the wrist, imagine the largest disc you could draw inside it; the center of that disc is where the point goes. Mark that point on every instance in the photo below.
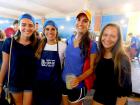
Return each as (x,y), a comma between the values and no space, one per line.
(79,78)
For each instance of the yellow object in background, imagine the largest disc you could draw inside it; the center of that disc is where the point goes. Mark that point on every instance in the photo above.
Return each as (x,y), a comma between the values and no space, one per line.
(134,24)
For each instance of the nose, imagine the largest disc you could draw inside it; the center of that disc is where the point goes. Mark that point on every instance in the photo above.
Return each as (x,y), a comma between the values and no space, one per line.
(107,38)
(28,27)
(50,31)
(80,22)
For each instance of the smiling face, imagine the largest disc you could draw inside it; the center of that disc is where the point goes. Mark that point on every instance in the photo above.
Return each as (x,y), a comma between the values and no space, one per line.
(109,37)
(82,24)
(26,27)
(50,32)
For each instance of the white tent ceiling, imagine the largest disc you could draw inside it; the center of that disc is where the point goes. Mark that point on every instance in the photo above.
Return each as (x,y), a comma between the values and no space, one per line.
(62,8)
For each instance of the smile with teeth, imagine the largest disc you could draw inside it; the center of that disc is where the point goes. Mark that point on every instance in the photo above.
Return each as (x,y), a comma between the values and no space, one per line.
(107,43)
(80,27)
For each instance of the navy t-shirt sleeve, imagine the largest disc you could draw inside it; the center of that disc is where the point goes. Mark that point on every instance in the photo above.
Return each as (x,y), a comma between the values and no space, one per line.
(6,45)
(93,47)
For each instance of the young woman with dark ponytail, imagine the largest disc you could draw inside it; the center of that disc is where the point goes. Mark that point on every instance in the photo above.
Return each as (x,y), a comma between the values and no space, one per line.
(76,52)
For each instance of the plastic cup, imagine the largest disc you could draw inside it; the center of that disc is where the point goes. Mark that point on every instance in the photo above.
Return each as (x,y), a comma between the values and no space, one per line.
(69,78)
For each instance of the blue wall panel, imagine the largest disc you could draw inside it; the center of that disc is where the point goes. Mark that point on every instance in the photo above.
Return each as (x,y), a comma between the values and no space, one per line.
(69,26)
(116,19)
(5,22)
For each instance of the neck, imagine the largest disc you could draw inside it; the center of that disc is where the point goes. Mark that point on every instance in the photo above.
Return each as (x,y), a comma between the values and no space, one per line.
(78,37)
(22,37)
(51,42)
(24,40)
(108,54)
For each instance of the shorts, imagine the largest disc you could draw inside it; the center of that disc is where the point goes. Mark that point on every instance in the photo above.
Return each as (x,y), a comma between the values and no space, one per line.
(74,95)
(14,89)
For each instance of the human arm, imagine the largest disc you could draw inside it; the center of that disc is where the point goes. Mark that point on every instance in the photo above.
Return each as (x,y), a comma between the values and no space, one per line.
(125,86)
(5,61)
(121,100)
(4,69)
(90,70)
(86,73)
(75,82)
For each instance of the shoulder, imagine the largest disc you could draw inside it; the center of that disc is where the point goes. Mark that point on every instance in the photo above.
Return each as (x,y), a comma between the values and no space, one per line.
(94,47)
(6,45)
(125,63)
(7,42)
(70,39)
(125,58)
(62,45)
(93,43)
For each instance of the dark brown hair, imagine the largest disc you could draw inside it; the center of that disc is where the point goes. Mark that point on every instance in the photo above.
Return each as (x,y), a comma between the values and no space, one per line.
(84,44)
(85,40)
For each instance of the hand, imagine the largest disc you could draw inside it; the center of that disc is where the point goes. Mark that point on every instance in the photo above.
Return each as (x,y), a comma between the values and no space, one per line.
(121,101)
(74,82)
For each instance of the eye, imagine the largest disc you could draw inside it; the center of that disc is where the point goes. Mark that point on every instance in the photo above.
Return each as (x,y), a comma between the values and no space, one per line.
(23,24)
(104,34)
(78,19)
(113,36)
(53,29)
(31,25)
(47,29)
(85,20)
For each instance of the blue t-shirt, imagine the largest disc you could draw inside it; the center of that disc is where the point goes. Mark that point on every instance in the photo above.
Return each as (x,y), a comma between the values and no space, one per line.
(22,66)
(74,61)
(133,42)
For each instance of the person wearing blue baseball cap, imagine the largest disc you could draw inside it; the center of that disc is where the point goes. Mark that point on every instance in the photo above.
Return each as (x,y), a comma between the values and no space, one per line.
(19,51)
(50,55)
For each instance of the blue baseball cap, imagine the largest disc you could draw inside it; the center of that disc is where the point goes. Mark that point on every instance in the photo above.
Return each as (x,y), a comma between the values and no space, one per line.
(28,16)
(50,22)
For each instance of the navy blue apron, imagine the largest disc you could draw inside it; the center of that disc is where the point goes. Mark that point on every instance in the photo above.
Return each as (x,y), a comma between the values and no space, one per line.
(48,88)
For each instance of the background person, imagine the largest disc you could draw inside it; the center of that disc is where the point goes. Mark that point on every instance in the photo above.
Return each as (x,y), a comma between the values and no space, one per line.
(2,37)
(15,25)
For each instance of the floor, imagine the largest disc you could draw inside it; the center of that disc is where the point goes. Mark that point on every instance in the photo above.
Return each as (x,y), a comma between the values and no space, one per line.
(136,76)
